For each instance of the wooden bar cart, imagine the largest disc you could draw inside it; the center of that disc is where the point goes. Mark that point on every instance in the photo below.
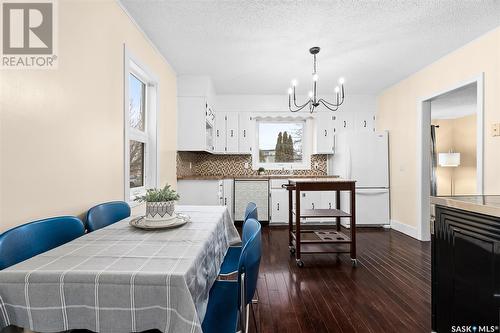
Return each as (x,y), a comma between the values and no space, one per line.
(302,240)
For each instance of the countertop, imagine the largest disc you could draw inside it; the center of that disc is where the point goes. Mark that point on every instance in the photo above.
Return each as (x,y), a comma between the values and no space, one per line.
(251,177)
(482,204)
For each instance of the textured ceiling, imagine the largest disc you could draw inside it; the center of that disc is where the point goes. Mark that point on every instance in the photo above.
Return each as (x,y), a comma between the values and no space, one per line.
(257,47)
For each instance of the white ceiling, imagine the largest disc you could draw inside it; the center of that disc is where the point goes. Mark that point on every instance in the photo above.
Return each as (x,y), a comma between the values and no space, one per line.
(458,103)
(258,46)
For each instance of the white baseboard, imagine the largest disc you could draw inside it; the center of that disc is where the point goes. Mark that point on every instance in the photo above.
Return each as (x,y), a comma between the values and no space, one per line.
(405,229)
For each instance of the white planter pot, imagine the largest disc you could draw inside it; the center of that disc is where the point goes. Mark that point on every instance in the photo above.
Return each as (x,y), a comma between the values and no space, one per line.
(160,211)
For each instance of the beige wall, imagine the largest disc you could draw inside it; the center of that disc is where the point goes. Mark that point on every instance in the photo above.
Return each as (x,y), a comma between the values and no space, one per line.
(62,130)
(458,135)
(397,112)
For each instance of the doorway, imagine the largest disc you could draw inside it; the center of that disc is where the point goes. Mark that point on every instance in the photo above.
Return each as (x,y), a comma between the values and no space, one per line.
(446,163)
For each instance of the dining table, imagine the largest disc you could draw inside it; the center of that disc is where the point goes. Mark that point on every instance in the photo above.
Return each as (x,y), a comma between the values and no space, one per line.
(121,278)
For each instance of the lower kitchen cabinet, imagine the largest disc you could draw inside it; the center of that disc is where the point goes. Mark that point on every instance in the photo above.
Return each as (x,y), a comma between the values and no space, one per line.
(279,206)
(465,270)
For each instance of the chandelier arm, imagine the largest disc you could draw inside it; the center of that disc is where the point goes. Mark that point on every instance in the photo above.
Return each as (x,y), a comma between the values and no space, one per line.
(326,105)
(298,107)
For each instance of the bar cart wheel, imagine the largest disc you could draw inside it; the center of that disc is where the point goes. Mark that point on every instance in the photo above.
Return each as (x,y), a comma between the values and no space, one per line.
(292,249)
(300,263)
(354,262)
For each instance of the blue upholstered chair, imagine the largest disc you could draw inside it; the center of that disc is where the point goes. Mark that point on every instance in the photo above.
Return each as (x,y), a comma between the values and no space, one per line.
(230,263)
(30,239)
(107,213)
(229,300)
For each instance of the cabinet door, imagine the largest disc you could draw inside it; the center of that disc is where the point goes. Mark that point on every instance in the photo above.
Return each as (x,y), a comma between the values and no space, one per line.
(311,200)
(364,122)
(191,133)
(325,133)
(232,132)
(346,121)
(279,206)
(246,133)
(228,185)
(328,200)
(220,132)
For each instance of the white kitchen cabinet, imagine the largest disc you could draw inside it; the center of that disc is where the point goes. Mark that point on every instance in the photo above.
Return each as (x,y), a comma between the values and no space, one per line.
(227,197)
(346,121)
(310,200)
(195,131)
(220,133)
(325,129)
(365,122)
(246,133)
(232,132)
(199,192)
(279,206)
(226,133)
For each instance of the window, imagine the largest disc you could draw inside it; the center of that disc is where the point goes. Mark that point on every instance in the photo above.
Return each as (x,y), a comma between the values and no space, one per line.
(140,129)
(281,145)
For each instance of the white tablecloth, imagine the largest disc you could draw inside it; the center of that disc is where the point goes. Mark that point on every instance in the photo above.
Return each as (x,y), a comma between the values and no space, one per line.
(122,279)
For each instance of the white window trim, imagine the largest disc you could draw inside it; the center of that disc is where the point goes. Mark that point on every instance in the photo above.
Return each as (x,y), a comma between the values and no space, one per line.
(150,136)
(306,147)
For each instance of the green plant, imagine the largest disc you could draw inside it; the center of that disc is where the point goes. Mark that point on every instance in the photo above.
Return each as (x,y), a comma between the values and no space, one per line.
(159,195)
(261,169)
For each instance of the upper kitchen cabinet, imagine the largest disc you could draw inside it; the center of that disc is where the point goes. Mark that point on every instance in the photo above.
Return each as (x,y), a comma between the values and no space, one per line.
(246,133)
(195,116)
(226,133)
(325,129)
(364,122)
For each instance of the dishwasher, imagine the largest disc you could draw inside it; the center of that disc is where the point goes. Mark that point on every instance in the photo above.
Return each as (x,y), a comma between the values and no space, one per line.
(251,190)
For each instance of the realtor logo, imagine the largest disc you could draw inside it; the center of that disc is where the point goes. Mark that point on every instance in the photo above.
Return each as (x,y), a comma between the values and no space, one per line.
(28,31)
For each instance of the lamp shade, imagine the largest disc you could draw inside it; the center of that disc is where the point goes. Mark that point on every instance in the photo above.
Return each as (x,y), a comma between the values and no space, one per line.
(449,159)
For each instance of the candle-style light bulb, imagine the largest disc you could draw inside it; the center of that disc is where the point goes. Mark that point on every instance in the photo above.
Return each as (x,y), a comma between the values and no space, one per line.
(310,94)
(294,83)
(315,77)
(290,91)
(341,81)
(337,89)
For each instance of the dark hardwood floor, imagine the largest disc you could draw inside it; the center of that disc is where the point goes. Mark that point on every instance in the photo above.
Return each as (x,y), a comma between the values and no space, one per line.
(389,291)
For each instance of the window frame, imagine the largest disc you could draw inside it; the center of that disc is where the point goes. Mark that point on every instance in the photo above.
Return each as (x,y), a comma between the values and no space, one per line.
(150,134)
(306,151)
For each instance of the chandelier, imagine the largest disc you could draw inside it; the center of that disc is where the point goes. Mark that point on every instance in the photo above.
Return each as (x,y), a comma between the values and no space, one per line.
(313,101)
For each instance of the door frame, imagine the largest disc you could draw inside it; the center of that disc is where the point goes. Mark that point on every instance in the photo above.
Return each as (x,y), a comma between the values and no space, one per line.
(423,156)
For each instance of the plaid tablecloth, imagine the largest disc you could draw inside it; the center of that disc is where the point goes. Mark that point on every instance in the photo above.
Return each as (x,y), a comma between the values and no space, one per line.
(122,279)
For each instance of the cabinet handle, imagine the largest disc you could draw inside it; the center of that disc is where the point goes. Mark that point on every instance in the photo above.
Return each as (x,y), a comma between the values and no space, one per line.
(364,123)
(326,133)
(217,133)
(312,204)
(345,124)
(330,205)
(278,206)
(244,133)
(225,201)
(231,133)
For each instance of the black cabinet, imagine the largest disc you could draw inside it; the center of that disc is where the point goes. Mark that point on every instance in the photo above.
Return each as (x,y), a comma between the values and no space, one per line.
(465,270)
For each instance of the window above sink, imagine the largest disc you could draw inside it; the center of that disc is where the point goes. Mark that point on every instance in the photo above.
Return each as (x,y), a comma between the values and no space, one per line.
(282,144)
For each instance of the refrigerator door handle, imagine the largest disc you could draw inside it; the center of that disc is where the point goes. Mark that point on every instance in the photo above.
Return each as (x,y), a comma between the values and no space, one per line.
(371,191)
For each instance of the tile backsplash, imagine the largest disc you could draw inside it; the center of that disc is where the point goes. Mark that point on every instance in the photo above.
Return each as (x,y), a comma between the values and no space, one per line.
(205,164)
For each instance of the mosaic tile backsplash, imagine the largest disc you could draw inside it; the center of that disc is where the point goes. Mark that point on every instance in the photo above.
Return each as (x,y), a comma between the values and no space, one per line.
(205,164)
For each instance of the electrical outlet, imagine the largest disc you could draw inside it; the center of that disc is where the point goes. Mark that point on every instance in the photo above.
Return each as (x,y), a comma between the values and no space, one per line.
(246,166)
(316,165)
(495,129)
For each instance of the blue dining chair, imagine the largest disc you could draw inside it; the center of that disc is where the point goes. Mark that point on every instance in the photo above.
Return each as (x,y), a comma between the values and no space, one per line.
(28,240)
(229,300)
(107,213)
(230,263)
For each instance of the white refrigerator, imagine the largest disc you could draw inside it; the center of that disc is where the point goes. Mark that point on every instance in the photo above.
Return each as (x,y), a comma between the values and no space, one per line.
(364,157)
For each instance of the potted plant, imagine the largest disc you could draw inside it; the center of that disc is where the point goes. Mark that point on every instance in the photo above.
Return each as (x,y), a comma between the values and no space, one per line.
(160,203)
(261,171)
